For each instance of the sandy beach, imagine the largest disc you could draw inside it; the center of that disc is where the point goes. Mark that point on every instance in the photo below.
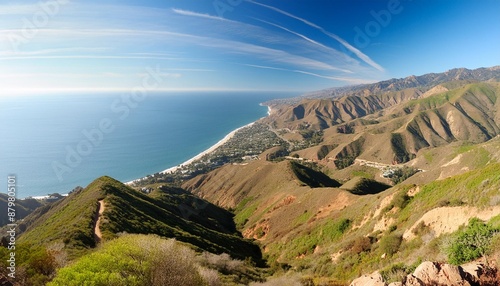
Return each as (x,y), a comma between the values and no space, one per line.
(199,156)
(208,151)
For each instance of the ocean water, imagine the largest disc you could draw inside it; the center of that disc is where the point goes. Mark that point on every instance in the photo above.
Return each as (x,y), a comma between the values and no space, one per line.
(53,143)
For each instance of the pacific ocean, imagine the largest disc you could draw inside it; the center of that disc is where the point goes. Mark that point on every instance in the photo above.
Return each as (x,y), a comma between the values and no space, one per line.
(53,143)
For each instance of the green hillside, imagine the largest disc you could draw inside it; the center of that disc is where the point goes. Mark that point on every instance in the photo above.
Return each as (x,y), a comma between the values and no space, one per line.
(23,208)
(169,213)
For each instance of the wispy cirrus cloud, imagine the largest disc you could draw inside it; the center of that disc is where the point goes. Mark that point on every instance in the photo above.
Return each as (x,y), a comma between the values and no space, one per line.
(344,79)
(52,51)
(258,33)
(193,70)
(16,58)
(199,15)
(191,44)
(295,33)
(286,14)
(329,49)
(230,46)
(269,54)
(348,46)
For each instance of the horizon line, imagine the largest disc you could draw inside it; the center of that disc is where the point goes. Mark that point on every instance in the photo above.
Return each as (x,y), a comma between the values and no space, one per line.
(43,91)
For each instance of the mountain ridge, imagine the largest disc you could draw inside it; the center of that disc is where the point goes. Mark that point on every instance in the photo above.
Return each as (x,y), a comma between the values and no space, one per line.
(167,212)
(395,84)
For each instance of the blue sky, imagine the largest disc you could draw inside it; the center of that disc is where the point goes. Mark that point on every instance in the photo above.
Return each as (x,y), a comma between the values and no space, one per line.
(298,45)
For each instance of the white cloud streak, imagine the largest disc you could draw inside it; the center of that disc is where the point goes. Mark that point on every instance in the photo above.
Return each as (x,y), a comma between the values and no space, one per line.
(357,52)
(343,79)
(232,46)
(165,35)
(199,15)
(269,54)
(303,37)
(13,58)
(51,51)
(193,70)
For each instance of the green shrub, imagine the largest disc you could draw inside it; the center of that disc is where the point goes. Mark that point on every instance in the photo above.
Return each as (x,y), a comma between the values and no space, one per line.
(401,200)
(35,265)
(390,244)
(471,243)
(420,229)
(134,260)
(344,162)
(402,174)
(259,232)
(335,230)
(361,244)
(221,262)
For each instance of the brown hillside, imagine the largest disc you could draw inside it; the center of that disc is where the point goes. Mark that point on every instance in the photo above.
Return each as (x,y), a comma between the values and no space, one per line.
(402,120)
(321,114)
(273,196)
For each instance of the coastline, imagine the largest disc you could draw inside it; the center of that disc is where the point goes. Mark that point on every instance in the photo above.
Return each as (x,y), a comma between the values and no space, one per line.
(208,151)
(200,155)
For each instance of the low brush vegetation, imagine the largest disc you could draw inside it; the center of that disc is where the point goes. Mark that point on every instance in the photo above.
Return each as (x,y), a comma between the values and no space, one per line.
(35,264)
(344,162)
(471,243)
(389,244)
(401,174)
(151,260)
(397,272)
(306,244)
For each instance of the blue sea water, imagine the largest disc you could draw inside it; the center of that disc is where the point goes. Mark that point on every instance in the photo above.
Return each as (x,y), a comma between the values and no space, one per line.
(53,143)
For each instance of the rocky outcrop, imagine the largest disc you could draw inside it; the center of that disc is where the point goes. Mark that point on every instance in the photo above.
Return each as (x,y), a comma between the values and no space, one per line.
(435,273)
(374,279)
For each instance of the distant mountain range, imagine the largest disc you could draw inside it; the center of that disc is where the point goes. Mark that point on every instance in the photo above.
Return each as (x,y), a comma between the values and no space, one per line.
(423,82)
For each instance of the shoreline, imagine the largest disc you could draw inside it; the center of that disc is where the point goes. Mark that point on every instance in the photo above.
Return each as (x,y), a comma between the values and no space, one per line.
(208,151)
(200,155)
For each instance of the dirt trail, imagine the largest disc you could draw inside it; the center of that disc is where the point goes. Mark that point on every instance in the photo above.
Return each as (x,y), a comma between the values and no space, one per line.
(97,229)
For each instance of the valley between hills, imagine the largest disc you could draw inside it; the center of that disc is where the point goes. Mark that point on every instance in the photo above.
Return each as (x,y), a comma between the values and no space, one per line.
(392,183)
